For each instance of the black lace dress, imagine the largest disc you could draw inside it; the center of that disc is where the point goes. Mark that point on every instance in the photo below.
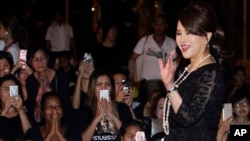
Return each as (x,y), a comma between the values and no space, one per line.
(198,116)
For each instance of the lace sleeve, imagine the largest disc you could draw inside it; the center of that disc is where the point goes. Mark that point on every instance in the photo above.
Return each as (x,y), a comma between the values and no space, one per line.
(200,97)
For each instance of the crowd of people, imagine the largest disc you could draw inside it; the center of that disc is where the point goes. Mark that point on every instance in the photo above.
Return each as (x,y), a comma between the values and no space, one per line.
(116,95)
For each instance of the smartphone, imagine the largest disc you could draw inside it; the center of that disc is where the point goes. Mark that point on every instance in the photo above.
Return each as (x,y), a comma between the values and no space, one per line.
(22,54)
(164,58)
(13,90)
(104,94)
(87,57)
(126,85)
(140,136)
(227,111)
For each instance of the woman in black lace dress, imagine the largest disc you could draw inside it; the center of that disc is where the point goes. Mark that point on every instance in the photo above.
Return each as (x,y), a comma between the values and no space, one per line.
(193,104)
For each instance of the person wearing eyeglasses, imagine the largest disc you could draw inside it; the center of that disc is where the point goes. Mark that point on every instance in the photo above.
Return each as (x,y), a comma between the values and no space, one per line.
(241,114)
(42,80)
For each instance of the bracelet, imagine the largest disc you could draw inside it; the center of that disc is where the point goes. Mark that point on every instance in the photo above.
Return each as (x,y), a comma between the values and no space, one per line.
(172,89)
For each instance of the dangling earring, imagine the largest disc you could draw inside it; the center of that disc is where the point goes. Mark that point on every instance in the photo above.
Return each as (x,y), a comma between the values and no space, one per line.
(207,43)
(6,33)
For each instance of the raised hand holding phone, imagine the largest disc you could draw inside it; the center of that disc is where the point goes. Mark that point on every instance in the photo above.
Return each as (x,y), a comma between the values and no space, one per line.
(22,56)
(104,94)
(140,136)
(126,87)
(227,111)
(13,90)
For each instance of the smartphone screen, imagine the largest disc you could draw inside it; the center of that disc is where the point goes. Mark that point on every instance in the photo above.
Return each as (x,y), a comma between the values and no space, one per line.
(22,54)
(126,84)
(104,94)
(140,136)
(13,90)
(227,111)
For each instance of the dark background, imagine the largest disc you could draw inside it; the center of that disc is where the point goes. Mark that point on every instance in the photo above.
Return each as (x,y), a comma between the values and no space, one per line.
(36,15)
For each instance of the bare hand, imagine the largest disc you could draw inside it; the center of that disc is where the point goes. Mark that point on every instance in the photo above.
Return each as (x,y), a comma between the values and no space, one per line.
(44,80)
(120,95)
(109,110)
(225,125)
(82,67)
(168,71)
(17,102)
(56,124)
(100,110)
(128,100)
(7,106)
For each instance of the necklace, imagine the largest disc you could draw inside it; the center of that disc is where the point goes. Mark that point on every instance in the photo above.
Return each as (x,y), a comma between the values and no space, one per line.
(180,79)
(183,76)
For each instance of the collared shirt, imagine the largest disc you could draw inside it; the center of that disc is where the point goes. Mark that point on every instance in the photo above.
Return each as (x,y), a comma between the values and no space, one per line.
(150,51)
(59,37)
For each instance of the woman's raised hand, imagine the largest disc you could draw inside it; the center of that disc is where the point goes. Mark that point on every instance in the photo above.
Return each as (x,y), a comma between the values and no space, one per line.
(82,67)
(7,106)
(168,71)
(100,110)
(17,102)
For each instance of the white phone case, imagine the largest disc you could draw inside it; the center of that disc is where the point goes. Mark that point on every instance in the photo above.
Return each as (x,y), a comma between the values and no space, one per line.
(227,111)
(104,94)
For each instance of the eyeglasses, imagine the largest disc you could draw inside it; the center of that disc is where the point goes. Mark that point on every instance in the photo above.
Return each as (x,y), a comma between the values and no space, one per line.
(242,104)
(37,60)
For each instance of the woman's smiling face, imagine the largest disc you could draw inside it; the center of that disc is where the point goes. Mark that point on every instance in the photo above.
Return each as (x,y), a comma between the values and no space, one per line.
(241,108)
(190,45)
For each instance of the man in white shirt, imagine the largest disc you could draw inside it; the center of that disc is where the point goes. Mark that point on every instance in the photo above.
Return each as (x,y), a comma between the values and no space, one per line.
(59,38)
(152,47)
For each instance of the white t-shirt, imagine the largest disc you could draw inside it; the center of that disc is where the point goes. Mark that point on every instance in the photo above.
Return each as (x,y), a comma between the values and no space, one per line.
(148,47)
(14,50)
(59,37)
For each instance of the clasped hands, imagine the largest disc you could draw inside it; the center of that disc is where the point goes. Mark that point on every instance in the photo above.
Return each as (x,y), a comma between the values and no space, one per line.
(55,128)
(104,107)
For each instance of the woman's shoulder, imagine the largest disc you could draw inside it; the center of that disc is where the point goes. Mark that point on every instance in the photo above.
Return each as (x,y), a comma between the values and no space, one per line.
(209,68)
(34,133)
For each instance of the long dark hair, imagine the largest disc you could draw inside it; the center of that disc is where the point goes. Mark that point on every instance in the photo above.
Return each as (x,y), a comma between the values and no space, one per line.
(91,99)
(7,55)
(12,78)
(17,32)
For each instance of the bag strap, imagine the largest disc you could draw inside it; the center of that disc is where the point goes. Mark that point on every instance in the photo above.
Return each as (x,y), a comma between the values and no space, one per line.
(145,41)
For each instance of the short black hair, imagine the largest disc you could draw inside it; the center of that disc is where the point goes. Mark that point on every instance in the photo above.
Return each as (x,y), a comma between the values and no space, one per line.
(32,51)
(239,95)
(47,95)
(7,55)
(120,70)
(126,125)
